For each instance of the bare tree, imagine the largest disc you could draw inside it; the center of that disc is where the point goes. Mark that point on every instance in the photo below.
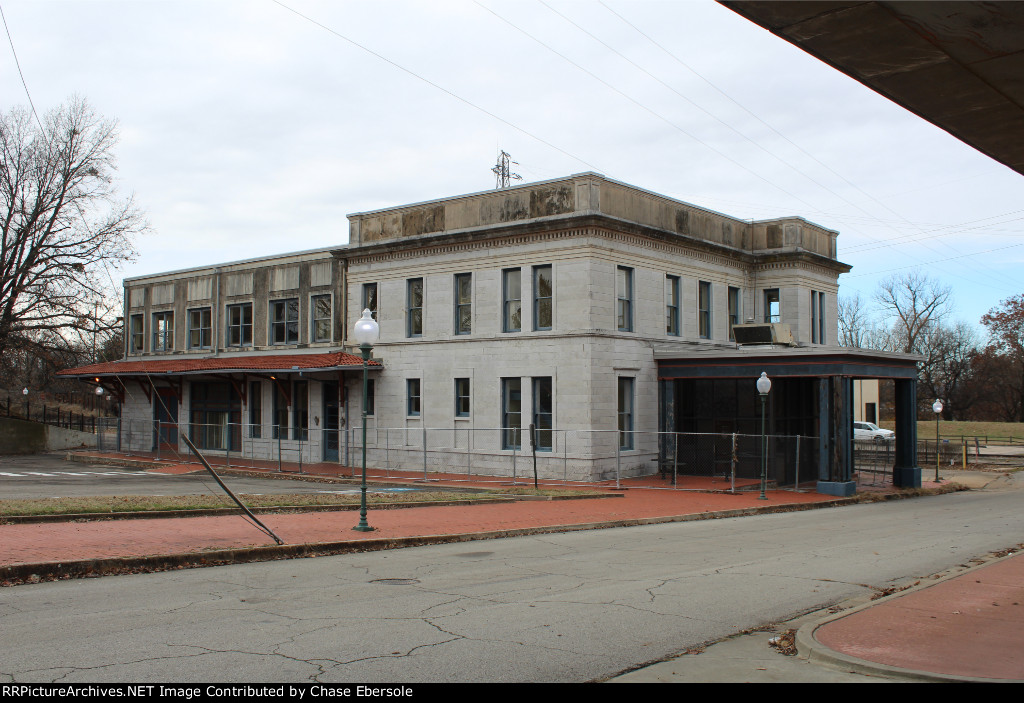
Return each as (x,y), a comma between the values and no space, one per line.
(62,223)
(858,328)
(947,371)
(913,302)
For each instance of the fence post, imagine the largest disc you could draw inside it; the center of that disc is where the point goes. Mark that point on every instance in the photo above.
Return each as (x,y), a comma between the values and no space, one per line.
(533,448)
(469,452)
(732,467)
(158,442)
(277,432)
(618,459)
(796,485)
(424,451)
(675,458)
(515,443)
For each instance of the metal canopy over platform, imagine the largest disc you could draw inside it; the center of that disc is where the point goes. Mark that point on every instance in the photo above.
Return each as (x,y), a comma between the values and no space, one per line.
(957,65)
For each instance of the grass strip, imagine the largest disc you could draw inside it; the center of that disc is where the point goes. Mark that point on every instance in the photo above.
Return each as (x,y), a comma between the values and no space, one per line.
(132,504)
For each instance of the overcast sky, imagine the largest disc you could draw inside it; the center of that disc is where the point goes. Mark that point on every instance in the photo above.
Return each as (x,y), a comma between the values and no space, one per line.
(253,128)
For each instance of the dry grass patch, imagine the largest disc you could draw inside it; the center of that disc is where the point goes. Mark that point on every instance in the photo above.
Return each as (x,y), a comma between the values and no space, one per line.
(132,504)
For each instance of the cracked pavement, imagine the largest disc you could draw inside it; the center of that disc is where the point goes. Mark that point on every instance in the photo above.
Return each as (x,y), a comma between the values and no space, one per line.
(566,607)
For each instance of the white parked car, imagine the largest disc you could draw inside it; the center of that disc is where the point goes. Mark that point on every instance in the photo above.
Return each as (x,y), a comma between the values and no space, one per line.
(871,431)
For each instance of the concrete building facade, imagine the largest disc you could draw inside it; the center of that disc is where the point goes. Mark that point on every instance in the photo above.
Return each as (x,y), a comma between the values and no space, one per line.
(558,304)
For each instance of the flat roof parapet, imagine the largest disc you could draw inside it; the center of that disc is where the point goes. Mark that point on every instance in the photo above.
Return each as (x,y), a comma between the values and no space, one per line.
(585,194)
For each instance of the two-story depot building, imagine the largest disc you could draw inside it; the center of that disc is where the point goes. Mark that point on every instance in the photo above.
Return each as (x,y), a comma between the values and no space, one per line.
(603,315)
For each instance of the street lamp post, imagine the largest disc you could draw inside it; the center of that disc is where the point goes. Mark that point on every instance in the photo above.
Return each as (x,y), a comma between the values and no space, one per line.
(937,409)
(764,385)
(366,332)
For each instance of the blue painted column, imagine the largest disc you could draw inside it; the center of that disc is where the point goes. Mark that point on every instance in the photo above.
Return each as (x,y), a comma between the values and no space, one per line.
(906,473)
(840,439)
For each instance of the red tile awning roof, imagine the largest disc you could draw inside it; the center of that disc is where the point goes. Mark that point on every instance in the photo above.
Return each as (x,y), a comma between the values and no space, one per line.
(189,364)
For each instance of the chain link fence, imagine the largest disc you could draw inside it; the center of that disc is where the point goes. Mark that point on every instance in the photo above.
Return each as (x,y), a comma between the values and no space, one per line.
(517,455)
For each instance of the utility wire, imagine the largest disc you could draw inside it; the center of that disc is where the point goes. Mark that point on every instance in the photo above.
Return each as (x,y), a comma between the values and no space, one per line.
(22,75)
(432,84)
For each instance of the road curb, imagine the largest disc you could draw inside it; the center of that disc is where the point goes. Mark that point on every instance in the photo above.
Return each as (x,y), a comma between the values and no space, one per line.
(814,651)
(17,574)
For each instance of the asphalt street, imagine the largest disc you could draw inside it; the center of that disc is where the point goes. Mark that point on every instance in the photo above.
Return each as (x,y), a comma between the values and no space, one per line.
(575,606)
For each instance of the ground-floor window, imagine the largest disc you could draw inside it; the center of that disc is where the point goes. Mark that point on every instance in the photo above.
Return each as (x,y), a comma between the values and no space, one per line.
(215,416)
(542,413)
(511,413)
(255,409)
(625,404)
(300,410)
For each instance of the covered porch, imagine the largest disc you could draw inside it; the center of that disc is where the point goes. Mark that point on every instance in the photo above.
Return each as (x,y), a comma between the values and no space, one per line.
(709,401)
(275,407)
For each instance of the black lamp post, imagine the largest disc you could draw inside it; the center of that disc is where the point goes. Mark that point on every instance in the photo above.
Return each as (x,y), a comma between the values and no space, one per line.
(366,332)
(937,409)
(764,385)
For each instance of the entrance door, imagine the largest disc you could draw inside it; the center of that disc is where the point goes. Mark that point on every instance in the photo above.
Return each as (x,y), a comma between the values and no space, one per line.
(165,414)
(332,413)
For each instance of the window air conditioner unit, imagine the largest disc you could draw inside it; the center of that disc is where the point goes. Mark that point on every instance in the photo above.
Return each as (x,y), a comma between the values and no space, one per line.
(763,333)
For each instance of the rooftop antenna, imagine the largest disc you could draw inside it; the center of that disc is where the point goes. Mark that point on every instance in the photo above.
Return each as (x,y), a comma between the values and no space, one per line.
(502,175)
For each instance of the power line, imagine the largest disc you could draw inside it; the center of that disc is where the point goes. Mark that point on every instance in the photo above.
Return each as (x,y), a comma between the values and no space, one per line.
(435,85)
(22,75)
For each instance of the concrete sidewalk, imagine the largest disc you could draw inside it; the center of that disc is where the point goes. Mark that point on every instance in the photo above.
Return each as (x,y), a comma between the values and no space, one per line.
(968,627)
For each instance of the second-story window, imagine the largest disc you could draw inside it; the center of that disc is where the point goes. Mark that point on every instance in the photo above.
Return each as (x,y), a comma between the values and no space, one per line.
(814,317)
(163,331)
(463,303)
(772,309)
(320,305)
(200,328)
(512,297)
(414,307)
(672,305)
(821,318)
(704,309)
(137,336)
(284,321)
(542,297)
(369,299)
(624,298)
(239,325)
(734,310)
